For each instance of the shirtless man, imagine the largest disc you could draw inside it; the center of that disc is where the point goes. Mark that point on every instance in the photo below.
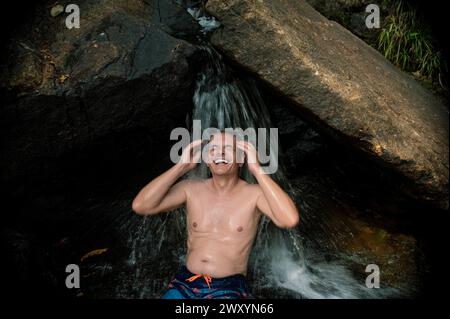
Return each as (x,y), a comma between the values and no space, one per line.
(222,216)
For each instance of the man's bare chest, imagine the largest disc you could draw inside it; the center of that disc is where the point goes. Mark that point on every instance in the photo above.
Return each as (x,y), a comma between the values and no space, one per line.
(208,214)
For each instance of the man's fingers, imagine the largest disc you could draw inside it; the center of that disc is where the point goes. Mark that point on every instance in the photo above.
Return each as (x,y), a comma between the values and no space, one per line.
(190,151)
(249,150)
(242,148)
(242,145)
(245,146)
(195,144)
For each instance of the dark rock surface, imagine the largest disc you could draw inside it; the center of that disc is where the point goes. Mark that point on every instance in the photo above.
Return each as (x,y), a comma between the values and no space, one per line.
(85,120)
(344,86)
(124,69)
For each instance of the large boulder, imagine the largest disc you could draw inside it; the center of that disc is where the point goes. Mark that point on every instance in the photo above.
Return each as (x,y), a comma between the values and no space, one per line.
(348,89)
(126,68)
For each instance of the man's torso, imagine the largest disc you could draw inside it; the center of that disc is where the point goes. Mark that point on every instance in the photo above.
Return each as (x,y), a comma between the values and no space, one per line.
(221,229)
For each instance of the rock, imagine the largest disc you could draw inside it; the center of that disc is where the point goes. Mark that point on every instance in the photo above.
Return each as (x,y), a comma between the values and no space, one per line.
(344,87)
(335,7)
(56,10)
(358,24)
(124,70)
(397,254)
(351,15)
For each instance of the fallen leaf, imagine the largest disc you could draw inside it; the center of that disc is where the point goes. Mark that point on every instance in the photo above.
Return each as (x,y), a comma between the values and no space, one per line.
(56,10)
(93,253)
(62,78)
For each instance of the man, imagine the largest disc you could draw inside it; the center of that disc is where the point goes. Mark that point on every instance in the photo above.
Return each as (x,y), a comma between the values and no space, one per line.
(222,216)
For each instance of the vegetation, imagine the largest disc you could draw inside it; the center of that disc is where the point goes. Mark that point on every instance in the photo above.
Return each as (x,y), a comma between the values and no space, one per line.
(407,41)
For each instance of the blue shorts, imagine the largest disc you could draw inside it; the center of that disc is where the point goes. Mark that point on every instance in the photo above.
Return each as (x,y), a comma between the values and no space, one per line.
(187,285)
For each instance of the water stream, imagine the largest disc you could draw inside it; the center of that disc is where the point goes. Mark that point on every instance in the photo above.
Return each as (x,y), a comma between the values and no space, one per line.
(283,263)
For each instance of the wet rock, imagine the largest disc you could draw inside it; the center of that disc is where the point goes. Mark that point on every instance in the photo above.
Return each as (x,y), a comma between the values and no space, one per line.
(64,89)
(343,86)
(395,253)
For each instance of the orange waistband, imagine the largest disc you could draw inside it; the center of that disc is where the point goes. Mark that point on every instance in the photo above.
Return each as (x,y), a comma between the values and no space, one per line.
(208,279)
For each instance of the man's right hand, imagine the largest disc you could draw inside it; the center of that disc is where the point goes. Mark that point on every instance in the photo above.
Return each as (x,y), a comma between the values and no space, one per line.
(190,156)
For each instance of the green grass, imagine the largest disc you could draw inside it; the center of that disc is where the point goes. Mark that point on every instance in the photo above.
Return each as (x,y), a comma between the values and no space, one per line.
(406,41)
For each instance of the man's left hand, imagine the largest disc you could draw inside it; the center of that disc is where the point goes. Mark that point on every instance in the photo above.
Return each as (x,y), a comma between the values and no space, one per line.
(251,155)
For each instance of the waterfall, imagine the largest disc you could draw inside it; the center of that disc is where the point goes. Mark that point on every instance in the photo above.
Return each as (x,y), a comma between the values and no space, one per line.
(297,263)
(279,261)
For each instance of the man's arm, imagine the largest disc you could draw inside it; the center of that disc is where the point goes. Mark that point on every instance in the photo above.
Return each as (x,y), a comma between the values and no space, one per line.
(161,194)
(272,199)
(275,203)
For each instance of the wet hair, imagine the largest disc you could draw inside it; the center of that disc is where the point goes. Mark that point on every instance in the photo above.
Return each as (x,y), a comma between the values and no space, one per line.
(222,131)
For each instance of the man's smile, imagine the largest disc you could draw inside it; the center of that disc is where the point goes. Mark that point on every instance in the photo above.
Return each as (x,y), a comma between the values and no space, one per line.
(221,161)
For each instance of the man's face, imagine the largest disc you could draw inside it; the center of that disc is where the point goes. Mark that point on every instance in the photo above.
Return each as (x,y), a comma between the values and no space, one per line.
(222,154)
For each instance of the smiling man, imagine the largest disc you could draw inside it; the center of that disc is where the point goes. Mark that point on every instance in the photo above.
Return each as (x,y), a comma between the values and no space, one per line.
(222,216)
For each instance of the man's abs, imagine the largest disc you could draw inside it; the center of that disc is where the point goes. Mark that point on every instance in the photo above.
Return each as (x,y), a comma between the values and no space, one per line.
(218,257)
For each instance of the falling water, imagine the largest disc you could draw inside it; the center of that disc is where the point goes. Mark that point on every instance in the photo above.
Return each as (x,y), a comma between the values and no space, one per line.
(279,261)
(284,263)
(298,263)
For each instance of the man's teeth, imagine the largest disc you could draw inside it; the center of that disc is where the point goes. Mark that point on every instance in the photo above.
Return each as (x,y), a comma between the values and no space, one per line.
(220,161)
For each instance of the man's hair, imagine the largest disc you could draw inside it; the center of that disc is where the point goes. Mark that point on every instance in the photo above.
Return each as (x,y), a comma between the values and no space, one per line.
(222,131)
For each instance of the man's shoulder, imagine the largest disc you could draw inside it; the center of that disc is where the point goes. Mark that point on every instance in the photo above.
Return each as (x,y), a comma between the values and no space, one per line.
(254,188)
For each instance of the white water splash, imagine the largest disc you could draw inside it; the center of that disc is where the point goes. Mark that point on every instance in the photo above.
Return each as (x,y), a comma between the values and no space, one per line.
(317,280)
(208,23)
